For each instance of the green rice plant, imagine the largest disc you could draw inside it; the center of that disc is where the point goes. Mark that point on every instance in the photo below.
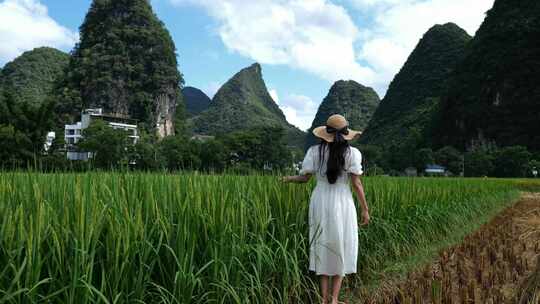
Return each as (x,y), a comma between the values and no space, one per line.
(165,238)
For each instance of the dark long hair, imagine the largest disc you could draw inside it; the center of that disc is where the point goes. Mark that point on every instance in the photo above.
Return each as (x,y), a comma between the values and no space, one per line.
(336,158)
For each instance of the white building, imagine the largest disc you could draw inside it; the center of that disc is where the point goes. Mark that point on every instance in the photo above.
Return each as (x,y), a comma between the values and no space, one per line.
(435,169)
(73,133)
(49,140)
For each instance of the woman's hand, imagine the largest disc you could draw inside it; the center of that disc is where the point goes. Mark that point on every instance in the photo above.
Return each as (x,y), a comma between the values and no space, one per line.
(365,218)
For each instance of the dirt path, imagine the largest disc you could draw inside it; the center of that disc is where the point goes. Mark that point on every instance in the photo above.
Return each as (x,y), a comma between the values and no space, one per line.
(492,265)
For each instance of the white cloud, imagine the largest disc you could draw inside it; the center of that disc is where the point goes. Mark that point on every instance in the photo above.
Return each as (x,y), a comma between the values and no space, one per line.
(274,94)
(398,26)
(320,37)
(313,35)
(25,25)
(299,110)
(367,4)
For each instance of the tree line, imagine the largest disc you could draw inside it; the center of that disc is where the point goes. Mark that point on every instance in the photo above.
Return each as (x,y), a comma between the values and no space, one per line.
(255,150)
(479,161)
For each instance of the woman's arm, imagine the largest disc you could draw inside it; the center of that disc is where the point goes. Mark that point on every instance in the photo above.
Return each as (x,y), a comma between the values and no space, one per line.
(296,178)
(359,189)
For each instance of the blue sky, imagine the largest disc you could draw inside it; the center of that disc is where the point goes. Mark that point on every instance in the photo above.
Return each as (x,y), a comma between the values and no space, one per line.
(302,45)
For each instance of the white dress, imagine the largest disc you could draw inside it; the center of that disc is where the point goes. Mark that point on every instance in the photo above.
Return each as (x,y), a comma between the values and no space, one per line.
(333,226)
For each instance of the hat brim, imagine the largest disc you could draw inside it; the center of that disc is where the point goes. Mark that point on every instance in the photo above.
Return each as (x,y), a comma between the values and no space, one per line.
(329,137)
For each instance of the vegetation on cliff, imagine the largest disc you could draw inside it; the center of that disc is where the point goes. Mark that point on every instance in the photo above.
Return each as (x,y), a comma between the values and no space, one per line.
(31,76)
(126,64)
(195,100)
(26,110)
(350,99)
(408,109)
(494,94)
(243,103)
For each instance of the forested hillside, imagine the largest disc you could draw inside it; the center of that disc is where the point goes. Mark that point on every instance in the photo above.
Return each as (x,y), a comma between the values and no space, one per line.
(195,100)
(26,112)
(350,99)
(494,93)
(407,111)
(31,76)
(126,64)
(243,103)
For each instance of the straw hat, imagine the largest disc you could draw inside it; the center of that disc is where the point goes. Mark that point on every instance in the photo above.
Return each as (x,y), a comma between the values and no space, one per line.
(336,127)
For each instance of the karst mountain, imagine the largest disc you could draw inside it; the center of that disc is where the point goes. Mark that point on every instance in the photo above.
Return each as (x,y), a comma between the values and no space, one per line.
(31,76)
(243,102)
(126,64)
(195,100)
(494,93)
(412,100)
(350,99)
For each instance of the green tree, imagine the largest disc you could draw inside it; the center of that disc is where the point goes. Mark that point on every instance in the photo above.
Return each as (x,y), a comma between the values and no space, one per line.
(478,163)
(512,161)
(145,153)
(14,152)
(180,153)
(109,147)
(372,156)
(260,148)
(30,123)
(214,155)
(422,158)
(450,158)
(401,154)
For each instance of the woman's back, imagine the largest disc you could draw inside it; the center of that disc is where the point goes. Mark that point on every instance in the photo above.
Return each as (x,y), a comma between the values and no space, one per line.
(312,163)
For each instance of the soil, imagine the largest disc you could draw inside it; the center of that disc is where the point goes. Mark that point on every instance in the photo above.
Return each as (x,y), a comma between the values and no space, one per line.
(497,264)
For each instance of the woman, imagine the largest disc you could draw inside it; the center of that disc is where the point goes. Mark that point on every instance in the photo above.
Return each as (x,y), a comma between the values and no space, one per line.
(333,228)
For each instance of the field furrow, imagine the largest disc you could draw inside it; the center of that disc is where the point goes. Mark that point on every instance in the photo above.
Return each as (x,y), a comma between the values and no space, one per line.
(498,263)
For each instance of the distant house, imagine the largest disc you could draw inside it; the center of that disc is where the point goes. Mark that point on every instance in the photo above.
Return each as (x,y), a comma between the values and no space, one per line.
(435,170)
(73,133)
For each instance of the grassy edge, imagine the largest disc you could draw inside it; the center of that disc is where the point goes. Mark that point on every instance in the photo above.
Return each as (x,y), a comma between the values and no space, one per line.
(396,270)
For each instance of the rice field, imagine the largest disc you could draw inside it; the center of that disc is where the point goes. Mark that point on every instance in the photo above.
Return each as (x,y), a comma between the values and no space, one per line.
(498,263)
(164,238)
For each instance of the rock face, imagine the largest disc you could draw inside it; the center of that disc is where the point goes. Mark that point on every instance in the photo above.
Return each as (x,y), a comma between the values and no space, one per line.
(195,100)
(350,99)
(126,64)
(413,95)
(31,76)
(242,103)
(164,115)
(494,93)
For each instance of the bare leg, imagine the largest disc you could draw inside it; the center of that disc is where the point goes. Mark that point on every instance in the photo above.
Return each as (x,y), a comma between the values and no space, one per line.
(336,287)
(324,288)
